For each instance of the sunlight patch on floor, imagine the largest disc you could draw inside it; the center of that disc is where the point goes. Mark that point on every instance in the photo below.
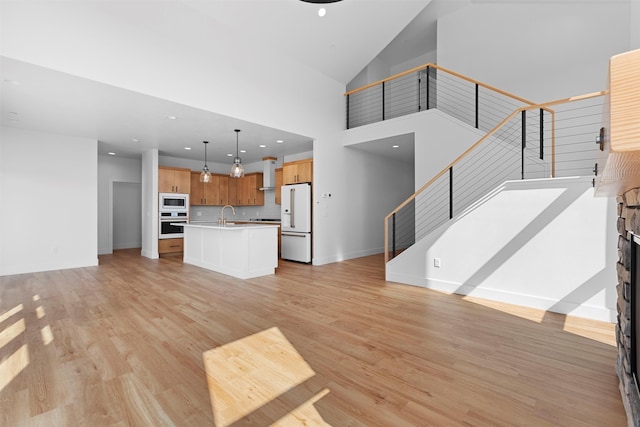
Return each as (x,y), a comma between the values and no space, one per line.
(305,414)
(4,316)
(596,330)
(247,374)
(603,333)
(13,365)
(532,314)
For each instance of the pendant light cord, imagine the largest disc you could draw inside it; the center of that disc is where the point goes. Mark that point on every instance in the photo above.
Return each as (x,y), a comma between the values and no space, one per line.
(237,133)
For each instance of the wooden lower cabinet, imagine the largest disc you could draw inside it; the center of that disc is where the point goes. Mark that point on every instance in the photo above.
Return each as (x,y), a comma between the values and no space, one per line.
(167,246)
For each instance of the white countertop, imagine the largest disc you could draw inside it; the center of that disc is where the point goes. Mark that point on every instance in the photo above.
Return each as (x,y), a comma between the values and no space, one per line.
(228,226)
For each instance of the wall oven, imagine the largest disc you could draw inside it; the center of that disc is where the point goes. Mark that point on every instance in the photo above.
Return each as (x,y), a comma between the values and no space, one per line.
(165,228)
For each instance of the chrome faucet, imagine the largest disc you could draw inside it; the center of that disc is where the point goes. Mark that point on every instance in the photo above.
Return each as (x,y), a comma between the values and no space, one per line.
(222,219)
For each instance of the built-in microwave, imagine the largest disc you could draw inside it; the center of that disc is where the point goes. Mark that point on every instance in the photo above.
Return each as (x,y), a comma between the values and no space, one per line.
(173,202)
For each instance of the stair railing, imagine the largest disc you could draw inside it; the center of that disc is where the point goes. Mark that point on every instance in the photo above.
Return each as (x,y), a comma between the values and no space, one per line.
(531,142)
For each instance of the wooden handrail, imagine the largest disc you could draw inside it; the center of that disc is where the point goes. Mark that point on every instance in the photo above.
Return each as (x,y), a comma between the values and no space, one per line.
(453,73)
(544,106)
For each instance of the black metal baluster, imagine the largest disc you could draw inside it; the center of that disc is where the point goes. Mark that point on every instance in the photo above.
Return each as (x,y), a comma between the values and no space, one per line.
(477,108)
(419,92)
(524,139)
(382,100)
(393,235)
(541,134)
(428,73)
(347,111)
(451,192)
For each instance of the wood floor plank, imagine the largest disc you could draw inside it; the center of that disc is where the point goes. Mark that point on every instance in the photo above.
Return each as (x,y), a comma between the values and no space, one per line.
(122,344)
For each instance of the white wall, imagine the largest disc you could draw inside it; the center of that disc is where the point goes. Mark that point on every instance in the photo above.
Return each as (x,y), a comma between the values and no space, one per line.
(538,50)
(112,170)
(49,205)
(438,139)
(543,244)
(635,25)
(427,58)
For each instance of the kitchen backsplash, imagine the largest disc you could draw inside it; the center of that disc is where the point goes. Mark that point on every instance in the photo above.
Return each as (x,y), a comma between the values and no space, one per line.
(212,213)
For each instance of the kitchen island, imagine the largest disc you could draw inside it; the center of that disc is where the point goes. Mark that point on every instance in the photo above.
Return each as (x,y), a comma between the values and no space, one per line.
(239,250)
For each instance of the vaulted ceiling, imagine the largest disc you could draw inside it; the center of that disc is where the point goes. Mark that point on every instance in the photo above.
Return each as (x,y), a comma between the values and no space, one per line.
(338,45)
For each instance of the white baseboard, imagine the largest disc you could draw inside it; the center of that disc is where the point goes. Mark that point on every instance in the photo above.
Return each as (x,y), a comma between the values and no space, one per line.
(579,310)
(346,256)
(9,270)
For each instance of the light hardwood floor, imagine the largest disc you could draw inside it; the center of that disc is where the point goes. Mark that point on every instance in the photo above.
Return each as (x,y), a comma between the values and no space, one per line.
(125,343)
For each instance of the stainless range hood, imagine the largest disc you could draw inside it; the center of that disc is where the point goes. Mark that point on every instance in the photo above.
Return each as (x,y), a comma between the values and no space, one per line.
(269,174)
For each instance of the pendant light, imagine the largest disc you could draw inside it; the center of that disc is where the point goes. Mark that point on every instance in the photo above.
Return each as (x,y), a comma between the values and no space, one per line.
(237,170)
(205,175)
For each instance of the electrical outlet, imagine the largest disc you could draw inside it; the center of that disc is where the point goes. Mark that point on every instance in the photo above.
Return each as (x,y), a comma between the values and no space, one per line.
(437,263)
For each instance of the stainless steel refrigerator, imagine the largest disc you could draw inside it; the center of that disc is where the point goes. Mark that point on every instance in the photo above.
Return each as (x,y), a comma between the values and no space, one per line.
(296,222)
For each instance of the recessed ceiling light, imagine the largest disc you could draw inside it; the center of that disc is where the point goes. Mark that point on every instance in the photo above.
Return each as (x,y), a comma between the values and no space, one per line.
(171,117)
(395,146)
(262,146)
(243,151)
(229,155)
(279,141)
(187,148)
(111,153)
(322,11)
(135,140)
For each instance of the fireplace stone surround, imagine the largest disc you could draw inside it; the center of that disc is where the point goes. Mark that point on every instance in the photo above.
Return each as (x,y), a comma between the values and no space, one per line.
(628,223)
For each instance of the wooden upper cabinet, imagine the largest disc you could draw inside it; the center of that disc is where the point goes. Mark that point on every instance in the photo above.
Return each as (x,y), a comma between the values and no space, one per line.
(245,191)
(232,191)
(223,190)
(297,172)
(248,193)
(174,180)
(278,176)
(255,197)
(196,195)
(214,193)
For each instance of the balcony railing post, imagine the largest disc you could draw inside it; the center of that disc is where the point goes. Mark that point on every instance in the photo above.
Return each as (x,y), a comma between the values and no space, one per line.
(451,192)
(524,139)
(393,235)
(477,109)
(541,134)
(347,111)
(382,100)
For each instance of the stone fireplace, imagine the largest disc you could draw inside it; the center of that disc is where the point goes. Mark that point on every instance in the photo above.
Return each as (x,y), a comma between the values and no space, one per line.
(628,295)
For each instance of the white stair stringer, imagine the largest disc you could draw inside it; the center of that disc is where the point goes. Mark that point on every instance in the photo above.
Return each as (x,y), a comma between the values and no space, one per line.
(542,243)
